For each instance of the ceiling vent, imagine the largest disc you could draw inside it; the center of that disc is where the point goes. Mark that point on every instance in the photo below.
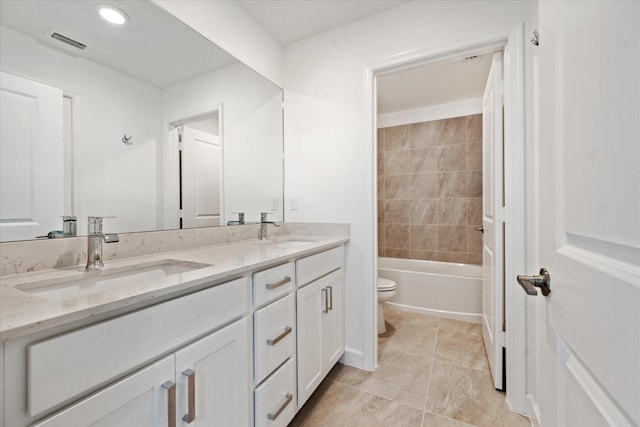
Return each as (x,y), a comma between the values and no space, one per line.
(69,41)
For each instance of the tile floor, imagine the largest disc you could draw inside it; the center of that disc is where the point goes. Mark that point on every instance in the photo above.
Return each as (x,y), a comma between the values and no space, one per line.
(432,372)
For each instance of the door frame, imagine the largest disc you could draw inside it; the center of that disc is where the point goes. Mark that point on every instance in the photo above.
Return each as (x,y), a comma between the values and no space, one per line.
(512,40)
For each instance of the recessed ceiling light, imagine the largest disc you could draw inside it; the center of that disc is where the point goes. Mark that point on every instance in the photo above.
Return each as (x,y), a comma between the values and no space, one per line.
(113,15)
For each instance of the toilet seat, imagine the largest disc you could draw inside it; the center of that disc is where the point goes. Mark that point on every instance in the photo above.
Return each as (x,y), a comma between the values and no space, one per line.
(386,285)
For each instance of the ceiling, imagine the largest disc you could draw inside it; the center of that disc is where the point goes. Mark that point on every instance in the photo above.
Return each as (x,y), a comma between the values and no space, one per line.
(289,21)
(434,83)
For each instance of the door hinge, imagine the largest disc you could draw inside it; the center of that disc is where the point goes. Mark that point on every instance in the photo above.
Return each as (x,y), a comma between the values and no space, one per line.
(180,129)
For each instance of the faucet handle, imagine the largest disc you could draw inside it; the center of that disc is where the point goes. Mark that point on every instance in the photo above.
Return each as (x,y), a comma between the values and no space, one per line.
(263,216)
(240,217)
(94,223)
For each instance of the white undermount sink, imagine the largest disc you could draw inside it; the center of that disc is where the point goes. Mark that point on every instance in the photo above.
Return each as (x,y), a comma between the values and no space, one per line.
(93,282)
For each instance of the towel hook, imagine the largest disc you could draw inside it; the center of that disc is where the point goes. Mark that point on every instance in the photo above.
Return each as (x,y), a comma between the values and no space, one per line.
(126,140)
(535,40)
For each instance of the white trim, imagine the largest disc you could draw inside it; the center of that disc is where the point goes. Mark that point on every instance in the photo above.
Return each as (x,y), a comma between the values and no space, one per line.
(447,110)
(533,410)
(512,40)
(353,357)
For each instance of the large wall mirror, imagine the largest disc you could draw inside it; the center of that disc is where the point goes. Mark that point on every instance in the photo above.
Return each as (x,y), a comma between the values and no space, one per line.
(147,122)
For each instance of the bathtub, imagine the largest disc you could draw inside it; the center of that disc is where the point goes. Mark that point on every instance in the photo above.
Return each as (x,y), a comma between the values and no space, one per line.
(440,288)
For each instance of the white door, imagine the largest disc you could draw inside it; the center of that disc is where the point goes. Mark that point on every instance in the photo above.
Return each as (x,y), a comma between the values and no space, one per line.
(140,400)
(493,221)
(588,328)
(201,171)
(212,377)
(31,158)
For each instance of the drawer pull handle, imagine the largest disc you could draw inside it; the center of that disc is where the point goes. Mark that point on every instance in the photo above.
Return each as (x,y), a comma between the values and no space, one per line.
(330,307)
(325,294)
(289,398)
(191,384)
(171,402)
(284,281)
(279,338)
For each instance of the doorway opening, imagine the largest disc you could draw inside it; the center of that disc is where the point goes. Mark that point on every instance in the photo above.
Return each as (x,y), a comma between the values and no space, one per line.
(199,163)
(511,214)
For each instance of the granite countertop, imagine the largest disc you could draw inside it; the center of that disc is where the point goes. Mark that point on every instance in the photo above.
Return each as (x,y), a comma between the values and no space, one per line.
(23,311)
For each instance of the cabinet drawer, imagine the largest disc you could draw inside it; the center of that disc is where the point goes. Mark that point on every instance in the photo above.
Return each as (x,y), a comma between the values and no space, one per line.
(66,366)
(310,268)
(276,398)
(271,283)
(275,336)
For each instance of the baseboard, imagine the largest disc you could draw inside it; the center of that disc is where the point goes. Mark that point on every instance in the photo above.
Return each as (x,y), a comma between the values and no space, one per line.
(534,410)
(466,317)
(353,357)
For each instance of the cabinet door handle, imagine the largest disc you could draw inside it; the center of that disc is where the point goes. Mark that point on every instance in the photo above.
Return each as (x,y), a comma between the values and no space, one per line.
(191,384)
(289,398)
(326,300)
(284,281)
(330,298)
(171,402)
(279,338)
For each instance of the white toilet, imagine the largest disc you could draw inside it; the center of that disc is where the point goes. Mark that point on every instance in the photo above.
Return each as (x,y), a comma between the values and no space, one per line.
(386,291)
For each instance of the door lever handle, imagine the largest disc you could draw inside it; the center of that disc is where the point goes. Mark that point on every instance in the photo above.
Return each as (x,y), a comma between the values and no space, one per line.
(530,283)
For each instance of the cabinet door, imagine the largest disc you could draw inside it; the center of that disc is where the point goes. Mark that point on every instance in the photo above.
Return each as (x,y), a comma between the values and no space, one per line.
(333,321)
(219,366)
(311,304)
(139,400)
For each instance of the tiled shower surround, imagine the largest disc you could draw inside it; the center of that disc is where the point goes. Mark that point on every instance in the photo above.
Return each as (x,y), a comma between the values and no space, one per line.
(430,190)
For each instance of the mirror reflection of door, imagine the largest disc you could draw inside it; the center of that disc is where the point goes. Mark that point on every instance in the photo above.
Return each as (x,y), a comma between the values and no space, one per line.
(200,160)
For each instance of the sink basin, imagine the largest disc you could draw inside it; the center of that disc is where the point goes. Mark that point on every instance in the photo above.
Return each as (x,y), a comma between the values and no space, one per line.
(93,282)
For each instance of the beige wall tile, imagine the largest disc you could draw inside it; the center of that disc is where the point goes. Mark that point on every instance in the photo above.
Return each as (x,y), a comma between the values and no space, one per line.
(452,157)
(396,138)
(431,174)
(424,134)
(396,211)
(396,253)
(423,255)
(424,211)
(452,238)
(452,211)
(381,232)
(397,187)
(474,240)
(474,129)
(381,213)
(423,237)
(452,131)
(396,236)
(397,162)
(424,160)
(474,156)
(452,184)
(474,183)
(474,211)
(423,186)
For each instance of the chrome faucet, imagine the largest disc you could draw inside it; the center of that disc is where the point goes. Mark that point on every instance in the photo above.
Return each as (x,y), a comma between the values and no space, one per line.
(95,236)
(240,220)
(263,225)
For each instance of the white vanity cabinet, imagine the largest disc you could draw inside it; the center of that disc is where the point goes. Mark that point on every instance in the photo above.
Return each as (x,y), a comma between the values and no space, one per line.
(124,359)
(320,318)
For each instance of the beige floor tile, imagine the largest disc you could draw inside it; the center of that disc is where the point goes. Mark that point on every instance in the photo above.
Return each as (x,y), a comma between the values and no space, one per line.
(468,395)
(423,345)
(461,349)
(433,420)
(460,326)
(343,405)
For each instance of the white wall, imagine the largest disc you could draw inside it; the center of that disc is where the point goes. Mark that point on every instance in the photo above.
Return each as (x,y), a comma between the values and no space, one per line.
(251,135)
(108,179)
(329,158)
(227,25)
